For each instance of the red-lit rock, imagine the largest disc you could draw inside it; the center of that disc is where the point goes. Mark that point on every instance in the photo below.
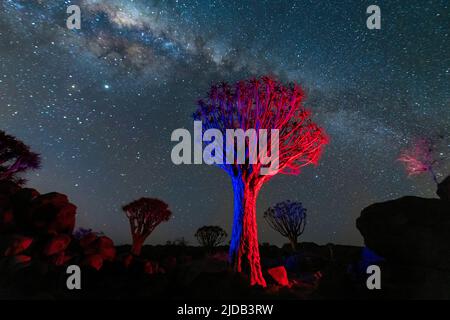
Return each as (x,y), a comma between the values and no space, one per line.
(279,274)
(94,261)
(93,244)
(104,241)
(128,260)
(150,267)
(60,259)
(52,213)
(6,220)
(107,253)
(170,263)
(21,259)
(8,187)
(87,240)
(18,245)
(57,244)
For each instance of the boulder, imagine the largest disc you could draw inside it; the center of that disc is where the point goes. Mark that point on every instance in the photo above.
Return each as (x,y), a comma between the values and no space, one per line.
(94,261)
(443,190)
(409,230)
(17,245)
(279,274)
(6,220)
(105,247)
(151,267)
(57,244)
(52,213)
(92,244)
(8,188)
(87,240)
(60,258)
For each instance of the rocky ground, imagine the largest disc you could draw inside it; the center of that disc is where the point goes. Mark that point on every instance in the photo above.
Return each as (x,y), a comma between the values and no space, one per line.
(38,242)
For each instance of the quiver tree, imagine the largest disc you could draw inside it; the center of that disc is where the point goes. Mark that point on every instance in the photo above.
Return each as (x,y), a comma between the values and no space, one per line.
(254,105)
(288,218)
(15,158)
(145,215)
(420,158)
(210,236)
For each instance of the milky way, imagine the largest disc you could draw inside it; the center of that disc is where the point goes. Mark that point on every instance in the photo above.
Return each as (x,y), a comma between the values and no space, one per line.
(100,103)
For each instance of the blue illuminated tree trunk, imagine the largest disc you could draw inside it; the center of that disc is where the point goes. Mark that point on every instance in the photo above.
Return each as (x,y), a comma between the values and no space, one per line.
(244,246)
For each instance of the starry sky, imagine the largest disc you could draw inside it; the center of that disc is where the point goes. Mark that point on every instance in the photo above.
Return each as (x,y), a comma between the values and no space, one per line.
(100,103)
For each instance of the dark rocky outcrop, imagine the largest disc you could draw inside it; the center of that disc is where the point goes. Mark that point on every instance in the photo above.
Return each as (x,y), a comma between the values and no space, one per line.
(38,229)
(413,235)
(443,190)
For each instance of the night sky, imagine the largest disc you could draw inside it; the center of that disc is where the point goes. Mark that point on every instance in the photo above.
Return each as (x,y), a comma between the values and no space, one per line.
(100,103)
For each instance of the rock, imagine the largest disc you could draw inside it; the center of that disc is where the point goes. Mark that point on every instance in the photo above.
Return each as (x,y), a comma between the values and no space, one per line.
(18,245)
(52,213)
(60,259)
(413,235)
(94,261)
(57,244)
(151,267)
(128,260)
(6,220)
(170,262)
(87,240)
(21,202)
(8,188)
(443,190)
(21,259)
(408,230)
(104,242)
(279,274)
(103,246)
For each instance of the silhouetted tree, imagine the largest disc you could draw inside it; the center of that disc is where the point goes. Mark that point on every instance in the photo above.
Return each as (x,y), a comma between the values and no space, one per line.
(288,218)
(145,215)
(181,242)
(15,158)
(210,236)
(259,104)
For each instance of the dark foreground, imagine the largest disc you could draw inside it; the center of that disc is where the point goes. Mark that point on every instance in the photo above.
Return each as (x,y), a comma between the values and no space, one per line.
(38,243)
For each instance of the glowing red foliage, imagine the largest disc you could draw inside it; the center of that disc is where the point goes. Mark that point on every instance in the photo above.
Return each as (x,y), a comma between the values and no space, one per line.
(419,158)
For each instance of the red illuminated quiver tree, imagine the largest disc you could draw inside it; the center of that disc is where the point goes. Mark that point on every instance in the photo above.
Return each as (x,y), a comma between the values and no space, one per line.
(145,214)
(262,103)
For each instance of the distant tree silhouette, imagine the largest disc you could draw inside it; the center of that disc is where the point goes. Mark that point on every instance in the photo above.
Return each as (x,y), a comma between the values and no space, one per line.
(145,214)
(289,219)
(15,158)
(256,104)
(181,242)
(210,236)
